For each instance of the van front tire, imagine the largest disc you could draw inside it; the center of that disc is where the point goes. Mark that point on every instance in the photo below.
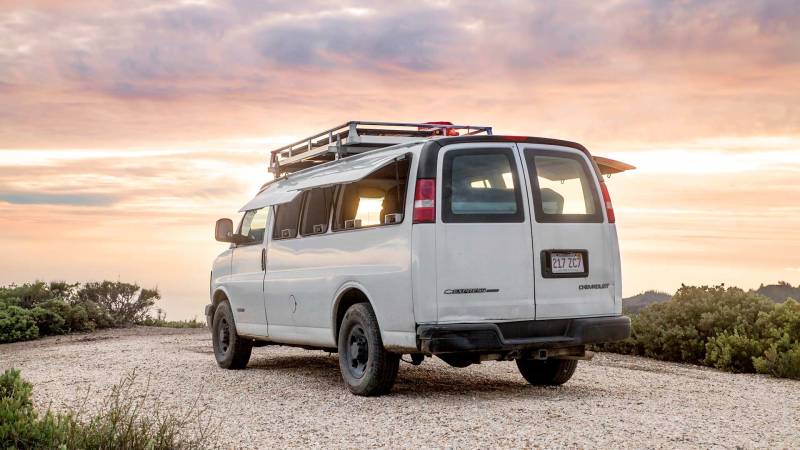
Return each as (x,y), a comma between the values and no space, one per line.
(230,350)
(549,372)
(367,368)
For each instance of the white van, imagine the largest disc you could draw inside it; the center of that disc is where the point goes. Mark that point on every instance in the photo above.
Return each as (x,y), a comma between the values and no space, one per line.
(452,242)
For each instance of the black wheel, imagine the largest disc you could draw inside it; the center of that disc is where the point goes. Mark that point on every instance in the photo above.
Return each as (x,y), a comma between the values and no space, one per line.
(230,350)
(367,368)
(551,372)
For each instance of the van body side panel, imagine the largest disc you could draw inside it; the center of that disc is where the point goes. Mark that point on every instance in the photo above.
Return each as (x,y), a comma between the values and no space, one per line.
(423,272)
(423,256)
(220,274)
(304,275)
(296,281)
(245,288)
(220,271)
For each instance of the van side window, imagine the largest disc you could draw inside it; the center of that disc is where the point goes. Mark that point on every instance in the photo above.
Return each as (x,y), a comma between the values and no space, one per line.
(481,185)
(253,225)
(287,218)
(562,187)
(317,211)
(378,199)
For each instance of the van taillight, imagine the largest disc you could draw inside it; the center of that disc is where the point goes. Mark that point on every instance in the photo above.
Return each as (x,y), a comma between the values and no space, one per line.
(425,201)
(607,201)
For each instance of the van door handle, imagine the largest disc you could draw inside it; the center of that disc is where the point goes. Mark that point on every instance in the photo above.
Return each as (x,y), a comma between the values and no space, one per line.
(263,260)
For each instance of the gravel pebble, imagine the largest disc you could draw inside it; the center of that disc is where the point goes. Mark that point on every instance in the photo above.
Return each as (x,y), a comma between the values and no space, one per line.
(296,398)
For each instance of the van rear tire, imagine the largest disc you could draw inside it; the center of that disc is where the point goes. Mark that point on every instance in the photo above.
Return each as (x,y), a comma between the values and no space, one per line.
(230,350)
(548,372)
(367,368)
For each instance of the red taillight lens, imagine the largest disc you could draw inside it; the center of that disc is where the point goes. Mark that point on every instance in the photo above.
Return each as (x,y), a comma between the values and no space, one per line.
(607,202)
(425,201)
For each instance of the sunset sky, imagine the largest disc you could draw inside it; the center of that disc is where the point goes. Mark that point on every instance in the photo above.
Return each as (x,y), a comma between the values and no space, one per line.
(127,128)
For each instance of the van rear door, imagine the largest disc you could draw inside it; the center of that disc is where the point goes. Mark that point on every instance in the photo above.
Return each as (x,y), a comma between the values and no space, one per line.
(483,235)
(574,254)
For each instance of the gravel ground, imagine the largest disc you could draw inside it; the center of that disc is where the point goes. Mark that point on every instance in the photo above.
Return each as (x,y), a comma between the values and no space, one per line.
(295,398)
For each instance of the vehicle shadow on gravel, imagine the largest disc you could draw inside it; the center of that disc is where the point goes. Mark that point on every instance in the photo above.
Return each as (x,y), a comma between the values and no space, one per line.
(445,381)
(423,381)
(322,368)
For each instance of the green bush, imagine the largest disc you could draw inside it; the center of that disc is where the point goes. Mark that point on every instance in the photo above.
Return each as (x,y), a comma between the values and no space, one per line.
(27,295)
(96,316)
(128,419)
(48,321)
(41,309)
(726,328)
(125,303)
(16,324)
(733,351)
(780,362)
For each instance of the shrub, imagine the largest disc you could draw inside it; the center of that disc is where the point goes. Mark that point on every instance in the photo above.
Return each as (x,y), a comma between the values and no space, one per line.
(733,351)
(30,295)
(125,303)
(96,315)
(726,328)
(76,317)
(678,329)
(48,321)
(128,419)
(16,324)
(780,362)
(41,309)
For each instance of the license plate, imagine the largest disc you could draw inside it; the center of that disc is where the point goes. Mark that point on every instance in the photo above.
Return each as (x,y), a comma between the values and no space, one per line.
(566,262)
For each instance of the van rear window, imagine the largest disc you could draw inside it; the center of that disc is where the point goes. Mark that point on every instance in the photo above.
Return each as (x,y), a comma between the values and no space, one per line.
(481,185)
(563,189)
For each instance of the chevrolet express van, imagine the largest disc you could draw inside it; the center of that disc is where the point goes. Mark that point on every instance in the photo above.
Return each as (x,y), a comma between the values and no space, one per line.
(424,240)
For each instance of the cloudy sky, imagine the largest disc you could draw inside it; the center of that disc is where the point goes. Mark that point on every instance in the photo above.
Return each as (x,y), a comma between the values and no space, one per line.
(127,128)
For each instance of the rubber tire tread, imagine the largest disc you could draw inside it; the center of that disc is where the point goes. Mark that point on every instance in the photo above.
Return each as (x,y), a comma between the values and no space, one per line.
(549,372)
(239,350)
(382,366)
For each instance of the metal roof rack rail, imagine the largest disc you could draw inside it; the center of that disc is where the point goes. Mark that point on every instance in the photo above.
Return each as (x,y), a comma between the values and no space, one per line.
(359,136)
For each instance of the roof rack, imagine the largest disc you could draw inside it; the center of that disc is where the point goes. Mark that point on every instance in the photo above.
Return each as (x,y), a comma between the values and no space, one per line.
(359,136)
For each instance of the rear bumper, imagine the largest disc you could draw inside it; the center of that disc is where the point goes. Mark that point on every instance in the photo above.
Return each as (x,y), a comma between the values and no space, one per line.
(525,335)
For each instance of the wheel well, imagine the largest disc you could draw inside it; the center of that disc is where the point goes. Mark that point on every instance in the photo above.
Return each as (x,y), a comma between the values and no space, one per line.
(349,298)
(219,297)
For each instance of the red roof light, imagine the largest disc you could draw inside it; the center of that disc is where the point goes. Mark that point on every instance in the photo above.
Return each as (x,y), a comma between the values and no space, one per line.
(439,131)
